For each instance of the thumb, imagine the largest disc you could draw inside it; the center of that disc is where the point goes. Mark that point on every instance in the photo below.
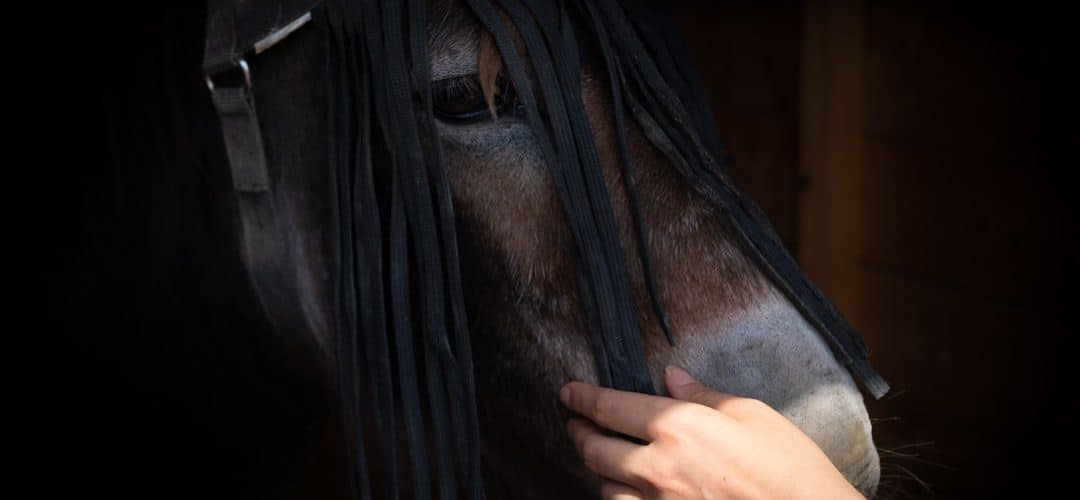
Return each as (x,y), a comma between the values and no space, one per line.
(682,385)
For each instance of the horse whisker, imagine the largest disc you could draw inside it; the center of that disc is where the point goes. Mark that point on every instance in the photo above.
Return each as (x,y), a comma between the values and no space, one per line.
(913,458)
(894,394)
(910,475)
(921,444)
(885,419)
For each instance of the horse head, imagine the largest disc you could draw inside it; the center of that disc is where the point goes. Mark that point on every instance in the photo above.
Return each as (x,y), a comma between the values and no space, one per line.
(698,291)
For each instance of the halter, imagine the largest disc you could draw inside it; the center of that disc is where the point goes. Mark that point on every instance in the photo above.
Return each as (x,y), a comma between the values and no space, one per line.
(401,338)
(237,31)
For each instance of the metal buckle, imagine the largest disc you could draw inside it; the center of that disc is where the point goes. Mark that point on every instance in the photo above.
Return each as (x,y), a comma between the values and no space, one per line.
(243,65)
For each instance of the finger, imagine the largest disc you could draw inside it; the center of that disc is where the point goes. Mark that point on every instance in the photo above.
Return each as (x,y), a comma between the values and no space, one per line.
(630,413)
(611,490)
(682,385)
(608,456)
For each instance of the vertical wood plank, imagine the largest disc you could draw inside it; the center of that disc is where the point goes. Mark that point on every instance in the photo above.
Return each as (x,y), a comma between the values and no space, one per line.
(748,55)
(831,127)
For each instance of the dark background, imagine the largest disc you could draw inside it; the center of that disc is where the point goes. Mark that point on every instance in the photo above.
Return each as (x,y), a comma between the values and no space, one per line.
(914,156)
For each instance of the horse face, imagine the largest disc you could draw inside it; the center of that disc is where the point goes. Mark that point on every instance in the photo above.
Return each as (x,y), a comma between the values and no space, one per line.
(732,328)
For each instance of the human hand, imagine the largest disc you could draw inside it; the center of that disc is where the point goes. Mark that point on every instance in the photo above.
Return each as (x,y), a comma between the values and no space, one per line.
(702,444)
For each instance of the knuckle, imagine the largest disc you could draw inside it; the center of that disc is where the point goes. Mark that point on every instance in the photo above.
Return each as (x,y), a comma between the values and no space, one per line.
(608,490)
(663,429)
(752,406)
(604,407)
(689,414)
(664,477)
(591,450)
(672,426)
(701,395)
(576,432)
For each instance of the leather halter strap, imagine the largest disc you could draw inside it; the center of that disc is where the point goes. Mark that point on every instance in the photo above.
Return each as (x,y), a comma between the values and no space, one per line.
(266,249)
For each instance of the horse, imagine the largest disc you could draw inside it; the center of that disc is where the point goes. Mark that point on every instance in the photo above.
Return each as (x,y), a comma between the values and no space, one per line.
(699,298)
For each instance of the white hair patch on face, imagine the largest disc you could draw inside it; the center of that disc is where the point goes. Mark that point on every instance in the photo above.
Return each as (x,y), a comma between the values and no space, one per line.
(453,51)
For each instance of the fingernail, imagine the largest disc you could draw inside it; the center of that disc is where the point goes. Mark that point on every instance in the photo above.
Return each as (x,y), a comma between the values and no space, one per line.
(564,394)
(677,377)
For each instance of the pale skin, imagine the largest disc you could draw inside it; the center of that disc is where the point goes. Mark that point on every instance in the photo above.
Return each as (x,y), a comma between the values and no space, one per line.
(698,444)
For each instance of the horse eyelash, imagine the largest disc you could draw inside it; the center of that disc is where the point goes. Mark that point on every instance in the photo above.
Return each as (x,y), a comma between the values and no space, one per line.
(456,87)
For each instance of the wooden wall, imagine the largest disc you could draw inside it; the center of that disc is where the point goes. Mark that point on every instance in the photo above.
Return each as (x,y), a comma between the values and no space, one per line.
(744,53)
(913,157)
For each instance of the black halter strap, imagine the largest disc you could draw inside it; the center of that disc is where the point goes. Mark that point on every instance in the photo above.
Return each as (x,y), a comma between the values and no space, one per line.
(235,33)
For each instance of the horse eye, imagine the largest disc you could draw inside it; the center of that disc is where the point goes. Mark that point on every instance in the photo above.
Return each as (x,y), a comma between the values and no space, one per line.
(460,100)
